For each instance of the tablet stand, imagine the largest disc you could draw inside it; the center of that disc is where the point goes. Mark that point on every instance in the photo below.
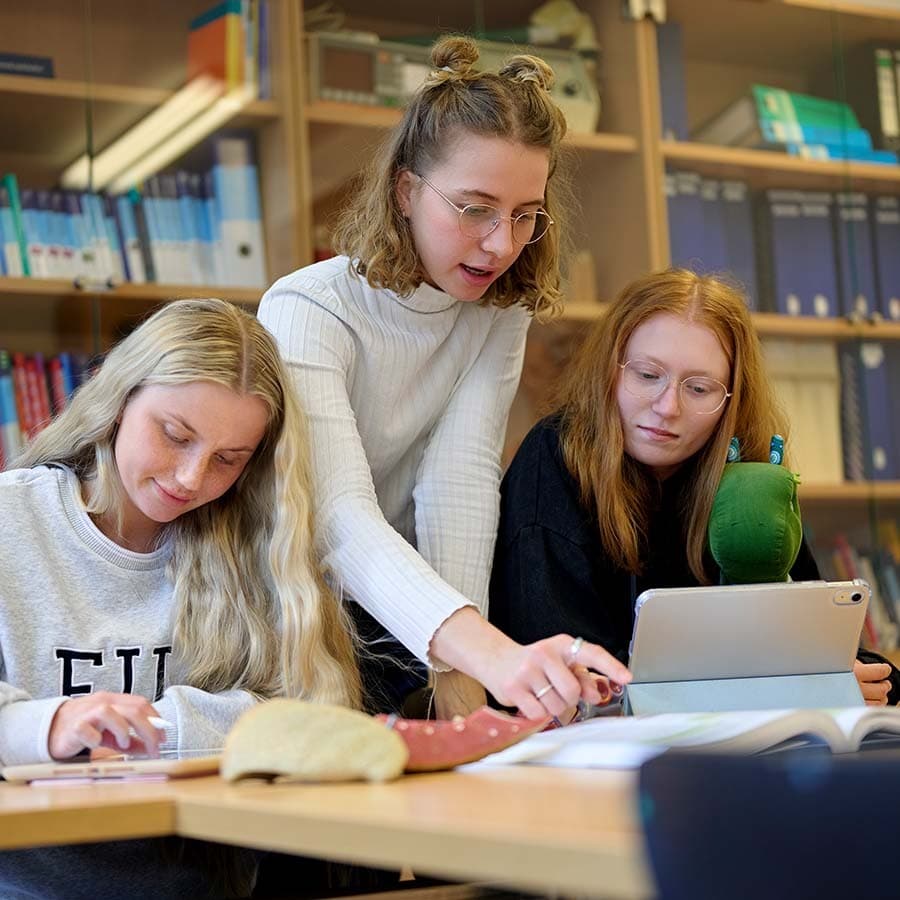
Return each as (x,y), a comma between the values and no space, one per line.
(826,690)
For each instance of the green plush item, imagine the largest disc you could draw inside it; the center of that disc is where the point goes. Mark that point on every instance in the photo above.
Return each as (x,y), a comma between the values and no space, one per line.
(754,528)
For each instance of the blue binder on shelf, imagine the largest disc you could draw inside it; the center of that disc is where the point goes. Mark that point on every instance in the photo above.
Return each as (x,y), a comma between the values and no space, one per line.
(235,177)
(866,418)
(855,263)
(715,251)
(819,288)
(781,238)
(885,219)
(687,227)
(737,230)
(672,92)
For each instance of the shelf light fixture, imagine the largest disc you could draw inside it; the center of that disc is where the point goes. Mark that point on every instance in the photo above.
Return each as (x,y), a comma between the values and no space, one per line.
(188,116)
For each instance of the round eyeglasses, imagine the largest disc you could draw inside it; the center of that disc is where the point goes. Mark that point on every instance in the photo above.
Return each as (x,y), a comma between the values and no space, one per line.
(648,381)
(478,220)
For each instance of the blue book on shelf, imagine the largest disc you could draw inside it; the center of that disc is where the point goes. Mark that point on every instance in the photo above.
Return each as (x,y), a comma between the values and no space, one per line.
(885,217)
(131,242)
(892,349)
(737,228)
(263,54)
(672,92)
(156,236)
(782,238)
(879,427)
(85,264)
(855,263)
(236,184)
(34,238)
(188,226)
(687,227)
(833,151)
(11,183)
(776,131)
(10,432)
(715,255)
(32,66)
(50,236)
(12,257)
(818,271)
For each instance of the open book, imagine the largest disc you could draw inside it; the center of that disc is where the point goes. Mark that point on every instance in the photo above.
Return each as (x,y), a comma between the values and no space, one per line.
(625,742)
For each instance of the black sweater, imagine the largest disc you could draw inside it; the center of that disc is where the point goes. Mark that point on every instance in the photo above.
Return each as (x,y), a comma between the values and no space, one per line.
(550,572)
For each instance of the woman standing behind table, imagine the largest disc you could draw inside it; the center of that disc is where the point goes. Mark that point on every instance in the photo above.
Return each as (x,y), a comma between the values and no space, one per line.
(407,352)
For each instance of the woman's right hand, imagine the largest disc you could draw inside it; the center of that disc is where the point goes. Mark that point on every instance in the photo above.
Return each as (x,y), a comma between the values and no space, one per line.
(544,678)
(103,719)
(550,676)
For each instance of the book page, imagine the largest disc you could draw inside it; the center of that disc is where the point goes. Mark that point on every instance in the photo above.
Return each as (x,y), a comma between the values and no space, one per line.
(858,721)
(628,741)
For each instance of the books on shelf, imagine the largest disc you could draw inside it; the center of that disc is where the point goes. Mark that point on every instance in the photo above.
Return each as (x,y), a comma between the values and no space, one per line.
(626,742)
(711,228)
(802,125)
(229,42)
(184,227)
(33,388)
(795,246)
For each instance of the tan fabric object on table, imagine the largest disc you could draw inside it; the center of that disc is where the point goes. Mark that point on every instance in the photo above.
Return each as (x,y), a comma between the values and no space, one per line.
(290,740)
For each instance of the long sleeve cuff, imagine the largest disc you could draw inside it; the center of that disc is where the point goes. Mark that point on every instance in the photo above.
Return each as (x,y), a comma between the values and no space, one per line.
(25,730)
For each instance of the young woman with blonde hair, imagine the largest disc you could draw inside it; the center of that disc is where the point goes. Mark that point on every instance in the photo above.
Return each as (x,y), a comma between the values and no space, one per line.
(158,560)
(407,350)
(612,494)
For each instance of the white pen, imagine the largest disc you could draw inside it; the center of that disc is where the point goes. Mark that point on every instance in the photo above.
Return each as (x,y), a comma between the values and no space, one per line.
(157,722)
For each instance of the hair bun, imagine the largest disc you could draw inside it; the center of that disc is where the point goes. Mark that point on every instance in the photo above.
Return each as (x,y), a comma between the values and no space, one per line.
(525,69)
(453,58)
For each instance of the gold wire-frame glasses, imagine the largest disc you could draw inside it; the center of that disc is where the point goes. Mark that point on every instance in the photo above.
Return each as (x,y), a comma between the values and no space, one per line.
(700,394)
(478,220)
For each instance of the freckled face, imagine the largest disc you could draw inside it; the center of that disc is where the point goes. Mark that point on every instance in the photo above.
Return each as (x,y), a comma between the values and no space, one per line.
(661,433)
(505,174)
(179,447)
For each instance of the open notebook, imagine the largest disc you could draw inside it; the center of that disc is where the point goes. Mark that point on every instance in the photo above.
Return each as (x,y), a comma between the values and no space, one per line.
(626,742)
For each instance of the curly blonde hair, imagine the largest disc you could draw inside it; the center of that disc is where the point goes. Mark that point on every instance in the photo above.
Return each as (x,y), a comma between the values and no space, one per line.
(513,104)
(252,610)
(613,484)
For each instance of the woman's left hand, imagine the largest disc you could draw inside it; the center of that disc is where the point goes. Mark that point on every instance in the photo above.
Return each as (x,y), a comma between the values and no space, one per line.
(874,681)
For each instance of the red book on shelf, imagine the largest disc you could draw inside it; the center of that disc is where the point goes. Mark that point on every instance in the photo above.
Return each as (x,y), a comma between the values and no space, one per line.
(37,391)
(57,384)
(23,400)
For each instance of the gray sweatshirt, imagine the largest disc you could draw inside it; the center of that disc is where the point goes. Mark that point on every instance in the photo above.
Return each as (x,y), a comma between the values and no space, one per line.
(78,614)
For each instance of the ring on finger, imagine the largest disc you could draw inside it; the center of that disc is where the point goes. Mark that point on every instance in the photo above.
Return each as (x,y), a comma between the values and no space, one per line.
(544,690)
(573,650)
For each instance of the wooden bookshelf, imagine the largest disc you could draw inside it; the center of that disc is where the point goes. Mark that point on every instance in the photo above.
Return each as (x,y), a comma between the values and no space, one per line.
(844,7)
(153,293)
(767,168)
(851,492)
(775,324)
(357,115)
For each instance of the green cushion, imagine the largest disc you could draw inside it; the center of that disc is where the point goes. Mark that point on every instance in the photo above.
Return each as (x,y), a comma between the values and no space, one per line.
(754,528)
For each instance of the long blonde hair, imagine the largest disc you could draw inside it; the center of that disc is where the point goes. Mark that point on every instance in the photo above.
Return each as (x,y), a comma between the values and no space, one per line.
(251,607)
(616,486)
(456,100)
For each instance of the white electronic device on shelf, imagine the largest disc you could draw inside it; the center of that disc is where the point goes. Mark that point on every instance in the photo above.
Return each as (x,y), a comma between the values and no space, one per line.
(360,68)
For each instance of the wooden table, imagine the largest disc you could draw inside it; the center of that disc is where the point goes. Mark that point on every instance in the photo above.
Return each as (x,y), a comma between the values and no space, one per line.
(538,829)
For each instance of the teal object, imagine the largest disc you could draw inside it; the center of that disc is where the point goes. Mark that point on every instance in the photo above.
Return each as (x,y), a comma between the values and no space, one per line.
(755,528)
